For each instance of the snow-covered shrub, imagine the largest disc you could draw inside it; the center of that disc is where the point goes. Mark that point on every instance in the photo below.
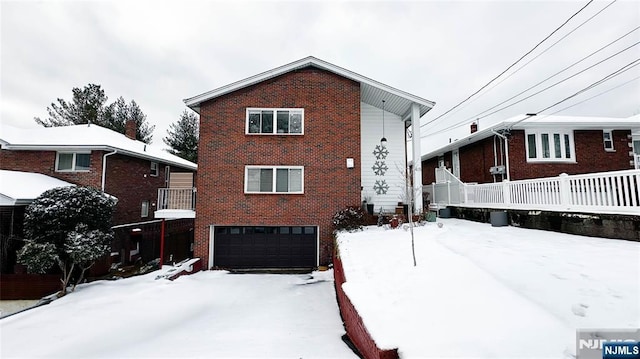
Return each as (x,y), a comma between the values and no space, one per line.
(67,226)
(349,219)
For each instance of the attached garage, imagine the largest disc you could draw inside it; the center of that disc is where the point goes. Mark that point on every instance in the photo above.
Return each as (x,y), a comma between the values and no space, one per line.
(257,247)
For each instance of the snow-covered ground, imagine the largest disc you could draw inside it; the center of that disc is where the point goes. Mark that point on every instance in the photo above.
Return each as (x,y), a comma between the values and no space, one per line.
(211,314)
(493,292)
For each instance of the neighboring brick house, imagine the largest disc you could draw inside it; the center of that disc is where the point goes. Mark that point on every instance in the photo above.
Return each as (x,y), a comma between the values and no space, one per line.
(282,151)
(539,147)
(90,155)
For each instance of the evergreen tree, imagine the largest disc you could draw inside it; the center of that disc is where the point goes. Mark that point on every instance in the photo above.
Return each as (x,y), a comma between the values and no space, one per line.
(89,105)
(183,137)
(70,227)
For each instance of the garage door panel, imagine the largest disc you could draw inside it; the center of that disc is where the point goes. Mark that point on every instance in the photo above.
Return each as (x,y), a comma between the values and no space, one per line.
(265,247)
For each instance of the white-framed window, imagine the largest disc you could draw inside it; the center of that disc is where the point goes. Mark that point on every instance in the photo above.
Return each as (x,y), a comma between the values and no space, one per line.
(275,121)
(73,162)
(607,139)
(144,210)
(155,169)
(550,146)
(274,179)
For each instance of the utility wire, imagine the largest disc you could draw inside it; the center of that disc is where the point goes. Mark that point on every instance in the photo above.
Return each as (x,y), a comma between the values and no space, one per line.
(482,114)
(618,72)
(512,65)
(561,81)
(592,97)
(540,54)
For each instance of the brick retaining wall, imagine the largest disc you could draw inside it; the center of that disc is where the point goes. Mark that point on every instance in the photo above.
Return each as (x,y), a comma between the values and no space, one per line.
(356,329)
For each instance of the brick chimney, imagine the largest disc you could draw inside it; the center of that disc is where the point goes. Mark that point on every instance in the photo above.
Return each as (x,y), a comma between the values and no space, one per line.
(474,127)
(130,129)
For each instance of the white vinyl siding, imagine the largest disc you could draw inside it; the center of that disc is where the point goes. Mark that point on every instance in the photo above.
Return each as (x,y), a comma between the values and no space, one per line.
(73,162)
(549,146)
(274,121)
(274,179)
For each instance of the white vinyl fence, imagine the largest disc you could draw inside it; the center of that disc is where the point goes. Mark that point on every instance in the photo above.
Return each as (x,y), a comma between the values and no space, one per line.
(607,192)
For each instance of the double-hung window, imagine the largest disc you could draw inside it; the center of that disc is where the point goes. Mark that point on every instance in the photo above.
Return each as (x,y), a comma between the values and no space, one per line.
(73,162)
(275,121)
(274,179)
(607,139)
(549,146)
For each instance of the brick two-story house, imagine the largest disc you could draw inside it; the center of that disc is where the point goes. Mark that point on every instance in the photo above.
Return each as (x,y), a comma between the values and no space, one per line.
(282,151)
(526,147)
(90,155)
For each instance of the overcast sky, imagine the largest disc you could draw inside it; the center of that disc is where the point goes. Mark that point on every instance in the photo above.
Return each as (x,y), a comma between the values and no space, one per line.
(161,52)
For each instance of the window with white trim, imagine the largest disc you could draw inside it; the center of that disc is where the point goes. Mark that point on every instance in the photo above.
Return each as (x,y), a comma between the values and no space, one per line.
(549,146)
(275,121)
(155,169)
(274,179)
(607,139)
(73,162)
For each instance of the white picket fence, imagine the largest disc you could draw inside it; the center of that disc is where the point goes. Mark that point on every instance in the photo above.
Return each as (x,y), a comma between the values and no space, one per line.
(606,192)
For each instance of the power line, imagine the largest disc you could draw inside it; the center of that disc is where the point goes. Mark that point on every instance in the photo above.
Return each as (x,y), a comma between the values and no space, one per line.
(618,72)
(592,97)
(512,65)
(540,54)
(561,81)
(482,114)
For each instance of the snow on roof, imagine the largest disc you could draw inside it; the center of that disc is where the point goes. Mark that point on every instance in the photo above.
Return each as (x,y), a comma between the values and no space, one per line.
(23,187)
(522,122)
(87,137)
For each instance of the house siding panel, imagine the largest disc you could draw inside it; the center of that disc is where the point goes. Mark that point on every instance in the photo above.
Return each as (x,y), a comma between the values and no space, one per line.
(331,134)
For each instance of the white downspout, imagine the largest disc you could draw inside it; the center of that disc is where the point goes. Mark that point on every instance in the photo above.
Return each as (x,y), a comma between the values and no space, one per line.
(104,167)
(506,152)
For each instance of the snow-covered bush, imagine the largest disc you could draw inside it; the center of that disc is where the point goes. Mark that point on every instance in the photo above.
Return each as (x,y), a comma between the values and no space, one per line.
(349,219)
(67,226)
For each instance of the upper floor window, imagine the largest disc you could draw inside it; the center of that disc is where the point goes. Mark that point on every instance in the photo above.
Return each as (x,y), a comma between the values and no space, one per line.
(274,179)
(71,162)
(278,121)
(607,139)
(550,146)
(144,210)
(155,169)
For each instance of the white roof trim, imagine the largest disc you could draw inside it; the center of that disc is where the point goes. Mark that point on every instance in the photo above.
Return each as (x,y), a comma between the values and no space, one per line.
(194,102)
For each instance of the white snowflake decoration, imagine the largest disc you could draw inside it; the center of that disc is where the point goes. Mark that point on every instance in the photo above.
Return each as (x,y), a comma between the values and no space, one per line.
(381,187)
(379,168)
(380,152)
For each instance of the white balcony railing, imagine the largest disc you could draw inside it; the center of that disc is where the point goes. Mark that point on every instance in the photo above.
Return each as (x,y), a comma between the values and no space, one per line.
(615,192)
(177,198)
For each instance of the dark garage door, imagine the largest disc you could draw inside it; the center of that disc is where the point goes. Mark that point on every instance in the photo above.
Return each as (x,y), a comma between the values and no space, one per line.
(265,247)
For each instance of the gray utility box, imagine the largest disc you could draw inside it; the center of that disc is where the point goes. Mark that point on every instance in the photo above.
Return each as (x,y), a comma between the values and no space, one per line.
(499,219)
(445,213)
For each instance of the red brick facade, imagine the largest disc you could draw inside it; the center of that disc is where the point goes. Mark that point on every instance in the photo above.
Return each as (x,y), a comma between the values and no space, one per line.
(128,178)
(331,106)
(591,157)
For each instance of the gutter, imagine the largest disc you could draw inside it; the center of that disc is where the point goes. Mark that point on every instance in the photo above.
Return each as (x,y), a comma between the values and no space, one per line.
(104,167)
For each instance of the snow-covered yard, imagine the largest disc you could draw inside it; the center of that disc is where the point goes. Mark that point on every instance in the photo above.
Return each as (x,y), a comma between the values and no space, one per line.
(210,314)
(493,292)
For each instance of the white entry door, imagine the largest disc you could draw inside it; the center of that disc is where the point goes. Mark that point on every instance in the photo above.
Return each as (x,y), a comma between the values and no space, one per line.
(456,163)
(636,152)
